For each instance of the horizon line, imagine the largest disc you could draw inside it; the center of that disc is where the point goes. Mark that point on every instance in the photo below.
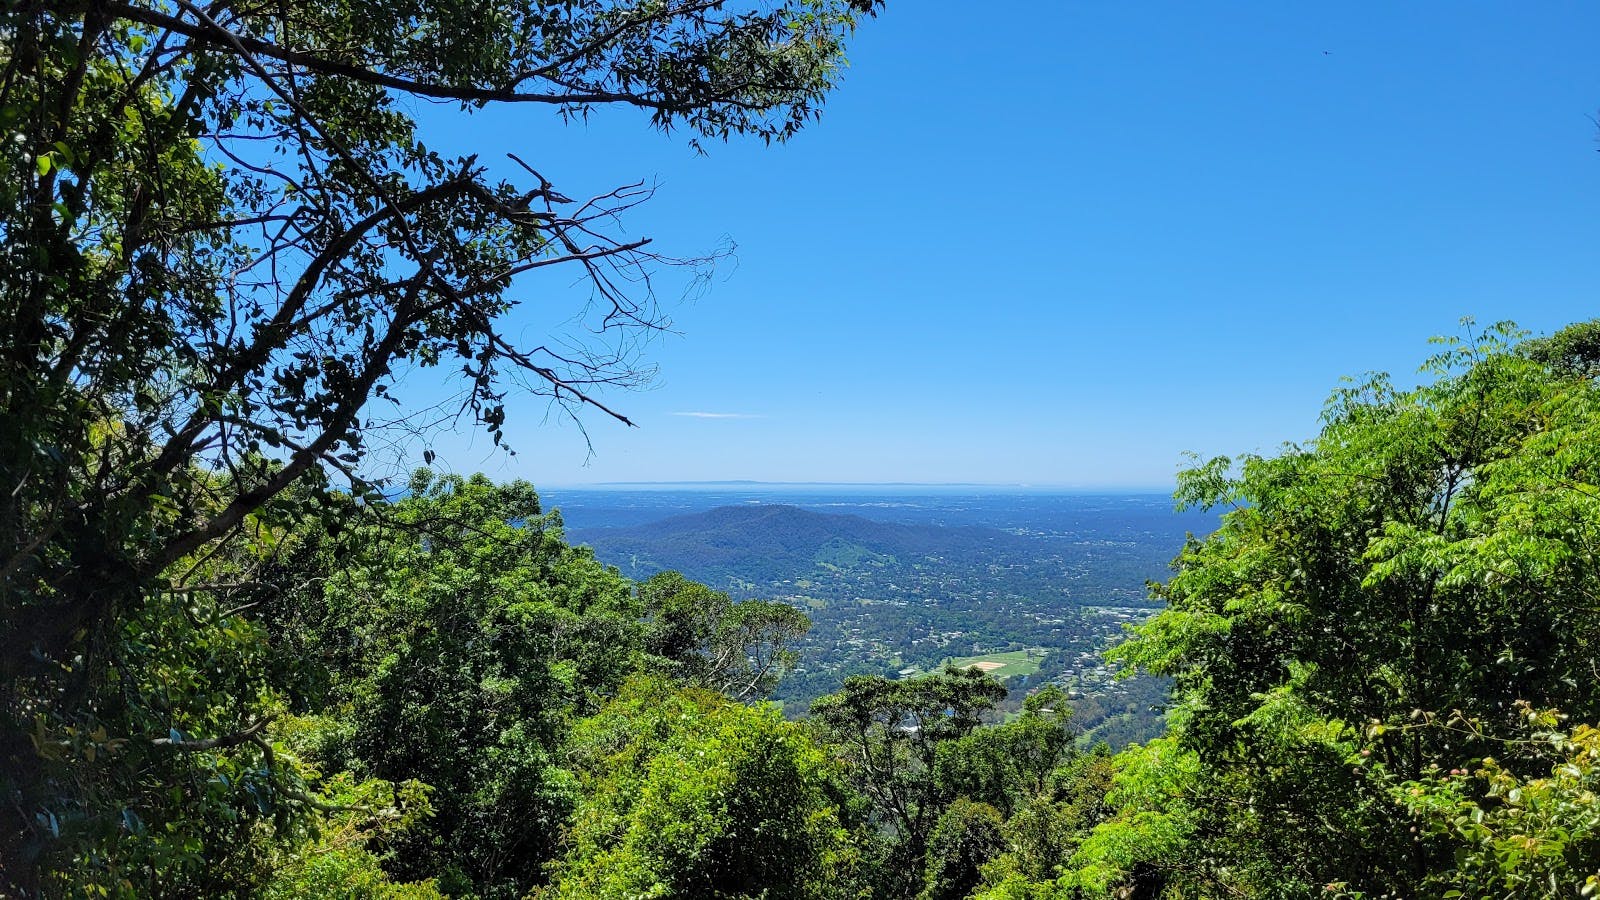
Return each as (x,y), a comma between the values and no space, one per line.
(748,482)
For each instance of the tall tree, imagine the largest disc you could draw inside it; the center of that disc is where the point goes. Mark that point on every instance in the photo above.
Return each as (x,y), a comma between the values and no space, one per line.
(737,649)
(461,635)
(890,735)
(1426,560)
(223,236)
(1009,764)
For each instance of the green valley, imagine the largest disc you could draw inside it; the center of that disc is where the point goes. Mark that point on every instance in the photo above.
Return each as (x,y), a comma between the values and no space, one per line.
(402,499)
(885,597)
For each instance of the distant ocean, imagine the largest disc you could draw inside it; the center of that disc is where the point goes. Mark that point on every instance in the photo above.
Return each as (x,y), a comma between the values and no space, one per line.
(1103,516)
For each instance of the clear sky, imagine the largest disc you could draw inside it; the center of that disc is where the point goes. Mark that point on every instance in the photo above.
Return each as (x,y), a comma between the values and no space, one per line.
(1063,243)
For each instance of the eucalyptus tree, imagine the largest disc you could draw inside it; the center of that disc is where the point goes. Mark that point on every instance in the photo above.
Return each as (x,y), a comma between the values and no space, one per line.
(702,637)
(223,240)
(890,735)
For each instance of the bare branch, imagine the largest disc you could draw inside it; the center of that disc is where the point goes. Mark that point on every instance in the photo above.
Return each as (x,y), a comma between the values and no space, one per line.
(216,743)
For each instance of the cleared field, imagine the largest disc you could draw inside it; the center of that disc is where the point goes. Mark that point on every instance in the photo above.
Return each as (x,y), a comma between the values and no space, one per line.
(1004,665)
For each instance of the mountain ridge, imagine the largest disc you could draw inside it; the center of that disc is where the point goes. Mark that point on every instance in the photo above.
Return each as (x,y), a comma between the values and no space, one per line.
(781,540)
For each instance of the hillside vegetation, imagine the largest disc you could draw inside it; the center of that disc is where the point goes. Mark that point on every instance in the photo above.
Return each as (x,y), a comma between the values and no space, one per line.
(887,596)
(1381,670)
(763,543)
(236,664)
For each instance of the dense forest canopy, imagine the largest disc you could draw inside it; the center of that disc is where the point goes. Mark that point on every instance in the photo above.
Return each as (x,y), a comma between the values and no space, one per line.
(1383,656)
(231,666)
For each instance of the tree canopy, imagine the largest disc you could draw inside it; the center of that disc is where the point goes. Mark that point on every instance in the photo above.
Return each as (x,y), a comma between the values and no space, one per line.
(690,795)
(1374,655)
(224,240)
(232,664)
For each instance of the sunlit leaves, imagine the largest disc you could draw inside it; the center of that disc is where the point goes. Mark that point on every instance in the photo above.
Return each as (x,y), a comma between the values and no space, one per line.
(1430,550)
(690,795)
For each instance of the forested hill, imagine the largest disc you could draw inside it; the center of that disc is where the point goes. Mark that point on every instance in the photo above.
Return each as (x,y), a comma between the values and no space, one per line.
(773,542)
(890,597)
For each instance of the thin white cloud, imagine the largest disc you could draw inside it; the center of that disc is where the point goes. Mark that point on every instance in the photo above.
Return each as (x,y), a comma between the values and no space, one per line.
(717,415)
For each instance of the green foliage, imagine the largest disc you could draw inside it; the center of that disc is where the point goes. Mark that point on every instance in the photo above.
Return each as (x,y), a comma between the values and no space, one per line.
(1046,828)
(890,735)
(344,872)
(691,796)
(1431,550)
(1574,350)
(1515,835)
(1152,817)
(738,649)
(1006,764)
(338,859)
(180,759)
(461,636)
(222,238)
(966,837)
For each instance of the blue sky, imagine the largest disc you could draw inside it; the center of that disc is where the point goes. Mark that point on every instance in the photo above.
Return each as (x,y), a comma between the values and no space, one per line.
(1063,243)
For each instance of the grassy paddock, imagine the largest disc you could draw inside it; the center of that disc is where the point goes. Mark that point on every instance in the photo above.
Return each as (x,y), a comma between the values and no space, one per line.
(1016,662)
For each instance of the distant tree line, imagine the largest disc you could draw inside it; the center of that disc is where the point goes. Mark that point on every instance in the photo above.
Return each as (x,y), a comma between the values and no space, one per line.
(230,666)
(1378,687)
